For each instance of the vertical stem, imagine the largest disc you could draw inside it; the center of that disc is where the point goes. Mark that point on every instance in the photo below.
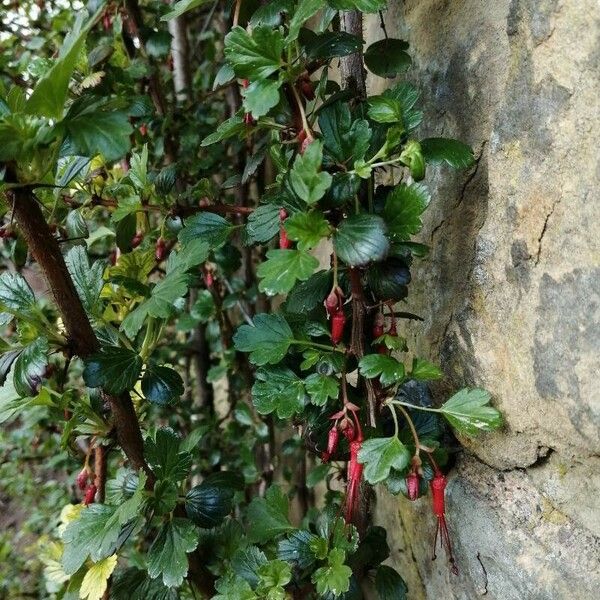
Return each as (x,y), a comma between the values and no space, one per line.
(180,51)
(100,457)
(351,67)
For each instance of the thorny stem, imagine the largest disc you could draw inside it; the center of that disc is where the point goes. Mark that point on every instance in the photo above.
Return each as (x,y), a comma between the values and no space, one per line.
(305,124)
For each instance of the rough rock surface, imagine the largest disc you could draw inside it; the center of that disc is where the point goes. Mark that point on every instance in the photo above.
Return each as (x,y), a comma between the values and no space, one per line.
(511,292)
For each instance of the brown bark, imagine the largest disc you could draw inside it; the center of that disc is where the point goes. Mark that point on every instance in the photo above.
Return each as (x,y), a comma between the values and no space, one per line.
(82,340)
(351,67)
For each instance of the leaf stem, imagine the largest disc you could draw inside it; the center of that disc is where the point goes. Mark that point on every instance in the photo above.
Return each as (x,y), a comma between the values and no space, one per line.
(425,408)
(316,345)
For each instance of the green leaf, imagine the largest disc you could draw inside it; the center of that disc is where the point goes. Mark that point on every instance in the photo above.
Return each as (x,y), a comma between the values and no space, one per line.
(316,475)
(468,411)
(94,131)
(233,587)
(30,367)
(379,455)
(204,307)
(268,517)
(160,304)
(267,340)
(167,554)
(88,280)
(452,152)
(345,140)
(274,575)
(403,209)
(207,227)
(306,177)
(387,58)
(182,6)
(16,296)
(93,534)
(321,387)
(424,370)
(50,93)
(161,385)
(368,6)
(192,253)
(95,581)
(246,562)
(310,293)
(389,585)
(229,128)
(389,279)
(407,95)
(330,44)
(209,503)
(261,96)
(6,361)
(304,11)
(113,369)
(296,548)
(361,239)
(388,369)
(385,110)
(283,268)
(308,229)
(278,389)
(254,56)
(263,223)
(413,158)
(134,584)
(335,576)
(165,457)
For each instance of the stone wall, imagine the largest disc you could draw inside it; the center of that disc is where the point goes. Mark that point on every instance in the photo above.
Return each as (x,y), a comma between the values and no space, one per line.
(511,292)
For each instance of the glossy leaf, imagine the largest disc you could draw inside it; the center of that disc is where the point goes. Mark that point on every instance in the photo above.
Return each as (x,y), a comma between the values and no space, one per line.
(268,516)
(279,390)
(283,268)
(206,227)
(256,55)
(308,229)
(307,179)
(335,576)
(114,369)
(161,385)
(30,367)
(454,153)
(379,455)
(387,57)
(87,279)
(403,209)
(165,457)
(468,411)
(267,340)
(321,387)
(387,368)
(361,239)
(424,370)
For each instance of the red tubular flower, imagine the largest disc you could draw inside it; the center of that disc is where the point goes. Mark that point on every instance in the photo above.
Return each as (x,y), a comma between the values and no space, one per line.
(337,326)
(438,489)
(90,494)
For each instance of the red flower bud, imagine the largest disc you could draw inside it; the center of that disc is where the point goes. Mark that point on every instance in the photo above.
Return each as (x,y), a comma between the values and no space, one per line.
(284,240)
(144,129)
(208,278)
(332,443)
(378,326)
(412,485)
(332,304)
(306,87)
(245,83)
(137,239)
(82,479)
(160,249)
(283,214)
(337,326)
(90,494)
(306,142)
(249,119)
